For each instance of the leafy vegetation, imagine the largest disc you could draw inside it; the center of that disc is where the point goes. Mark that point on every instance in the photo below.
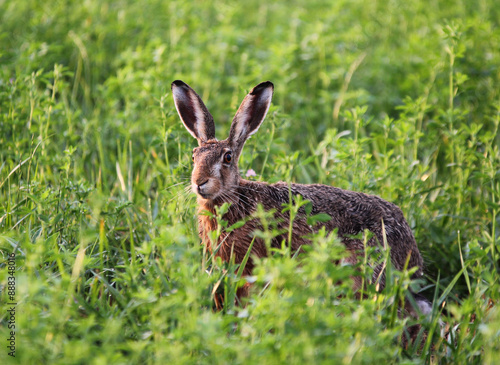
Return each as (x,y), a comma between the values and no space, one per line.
(398,99)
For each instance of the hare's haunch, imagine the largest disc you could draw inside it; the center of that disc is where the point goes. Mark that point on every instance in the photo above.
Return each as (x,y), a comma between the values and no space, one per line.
(216,180)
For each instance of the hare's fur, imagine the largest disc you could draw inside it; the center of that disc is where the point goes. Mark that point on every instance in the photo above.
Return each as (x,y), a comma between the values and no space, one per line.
(216,181)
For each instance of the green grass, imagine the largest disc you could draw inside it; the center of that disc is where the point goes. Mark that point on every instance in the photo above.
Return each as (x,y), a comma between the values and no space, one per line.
(399,99)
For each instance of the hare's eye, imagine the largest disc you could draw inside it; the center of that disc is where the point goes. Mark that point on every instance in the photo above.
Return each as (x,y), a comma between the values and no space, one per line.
(192,157)
(228,157)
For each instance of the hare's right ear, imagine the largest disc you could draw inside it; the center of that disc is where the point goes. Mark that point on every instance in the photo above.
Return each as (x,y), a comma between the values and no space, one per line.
(250,115)
(194,114)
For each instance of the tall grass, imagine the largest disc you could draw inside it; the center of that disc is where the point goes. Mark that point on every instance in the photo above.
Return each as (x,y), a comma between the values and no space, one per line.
(398,99)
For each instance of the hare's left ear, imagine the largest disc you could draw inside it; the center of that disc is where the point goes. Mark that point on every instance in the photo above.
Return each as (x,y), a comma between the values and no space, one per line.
(250,115)
(194,114)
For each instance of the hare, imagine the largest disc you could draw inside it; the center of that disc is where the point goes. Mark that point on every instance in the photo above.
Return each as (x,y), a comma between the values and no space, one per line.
(216,180)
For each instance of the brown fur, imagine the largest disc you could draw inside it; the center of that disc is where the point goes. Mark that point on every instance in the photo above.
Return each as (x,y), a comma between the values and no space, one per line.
(217,182)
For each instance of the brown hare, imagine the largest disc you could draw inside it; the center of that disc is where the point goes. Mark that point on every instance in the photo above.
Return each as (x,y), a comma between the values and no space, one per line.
(216,180)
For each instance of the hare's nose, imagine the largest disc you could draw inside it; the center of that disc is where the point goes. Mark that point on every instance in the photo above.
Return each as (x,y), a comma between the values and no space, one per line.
(201,186)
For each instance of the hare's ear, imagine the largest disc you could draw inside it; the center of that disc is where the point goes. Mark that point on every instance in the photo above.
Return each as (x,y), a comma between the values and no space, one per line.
(250,115)
(194,114)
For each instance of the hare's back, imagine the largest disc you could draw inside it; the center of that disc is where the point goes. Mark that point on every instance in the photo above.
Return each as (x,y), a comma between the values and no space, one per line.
(351,205)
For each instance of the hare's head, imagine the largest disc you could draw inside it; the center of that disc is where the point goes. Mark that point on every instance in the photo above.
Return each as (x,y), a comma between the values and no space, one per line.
(215,172)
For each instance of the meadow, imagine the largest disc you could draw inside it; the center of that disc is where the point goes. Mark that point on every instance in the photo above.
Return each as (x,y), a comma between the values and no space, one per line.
(399,99)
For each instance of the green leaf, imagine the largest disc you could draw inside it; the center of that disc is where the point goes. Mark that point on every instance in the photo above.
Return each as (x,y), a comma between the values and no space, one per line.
(321,217)
(235,226)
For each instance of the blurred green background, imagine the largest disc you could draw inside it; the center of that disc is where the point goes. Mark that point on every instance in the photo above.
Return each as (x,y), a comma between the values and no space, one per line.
(394,98)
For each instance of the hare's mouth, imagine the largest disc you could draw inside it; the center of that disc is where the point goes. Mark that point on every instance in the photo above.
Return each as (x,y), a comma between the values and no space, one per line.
(210,197)
(204,195)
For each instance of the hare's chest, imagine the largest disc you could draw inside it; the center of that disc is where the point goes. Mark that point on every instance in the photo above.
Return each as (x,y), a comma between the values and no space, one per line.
(206,225)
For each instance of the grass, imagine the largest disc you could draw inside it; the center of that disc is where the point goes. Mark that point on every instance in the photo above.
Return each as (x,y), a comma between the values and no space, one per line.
(397,99)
